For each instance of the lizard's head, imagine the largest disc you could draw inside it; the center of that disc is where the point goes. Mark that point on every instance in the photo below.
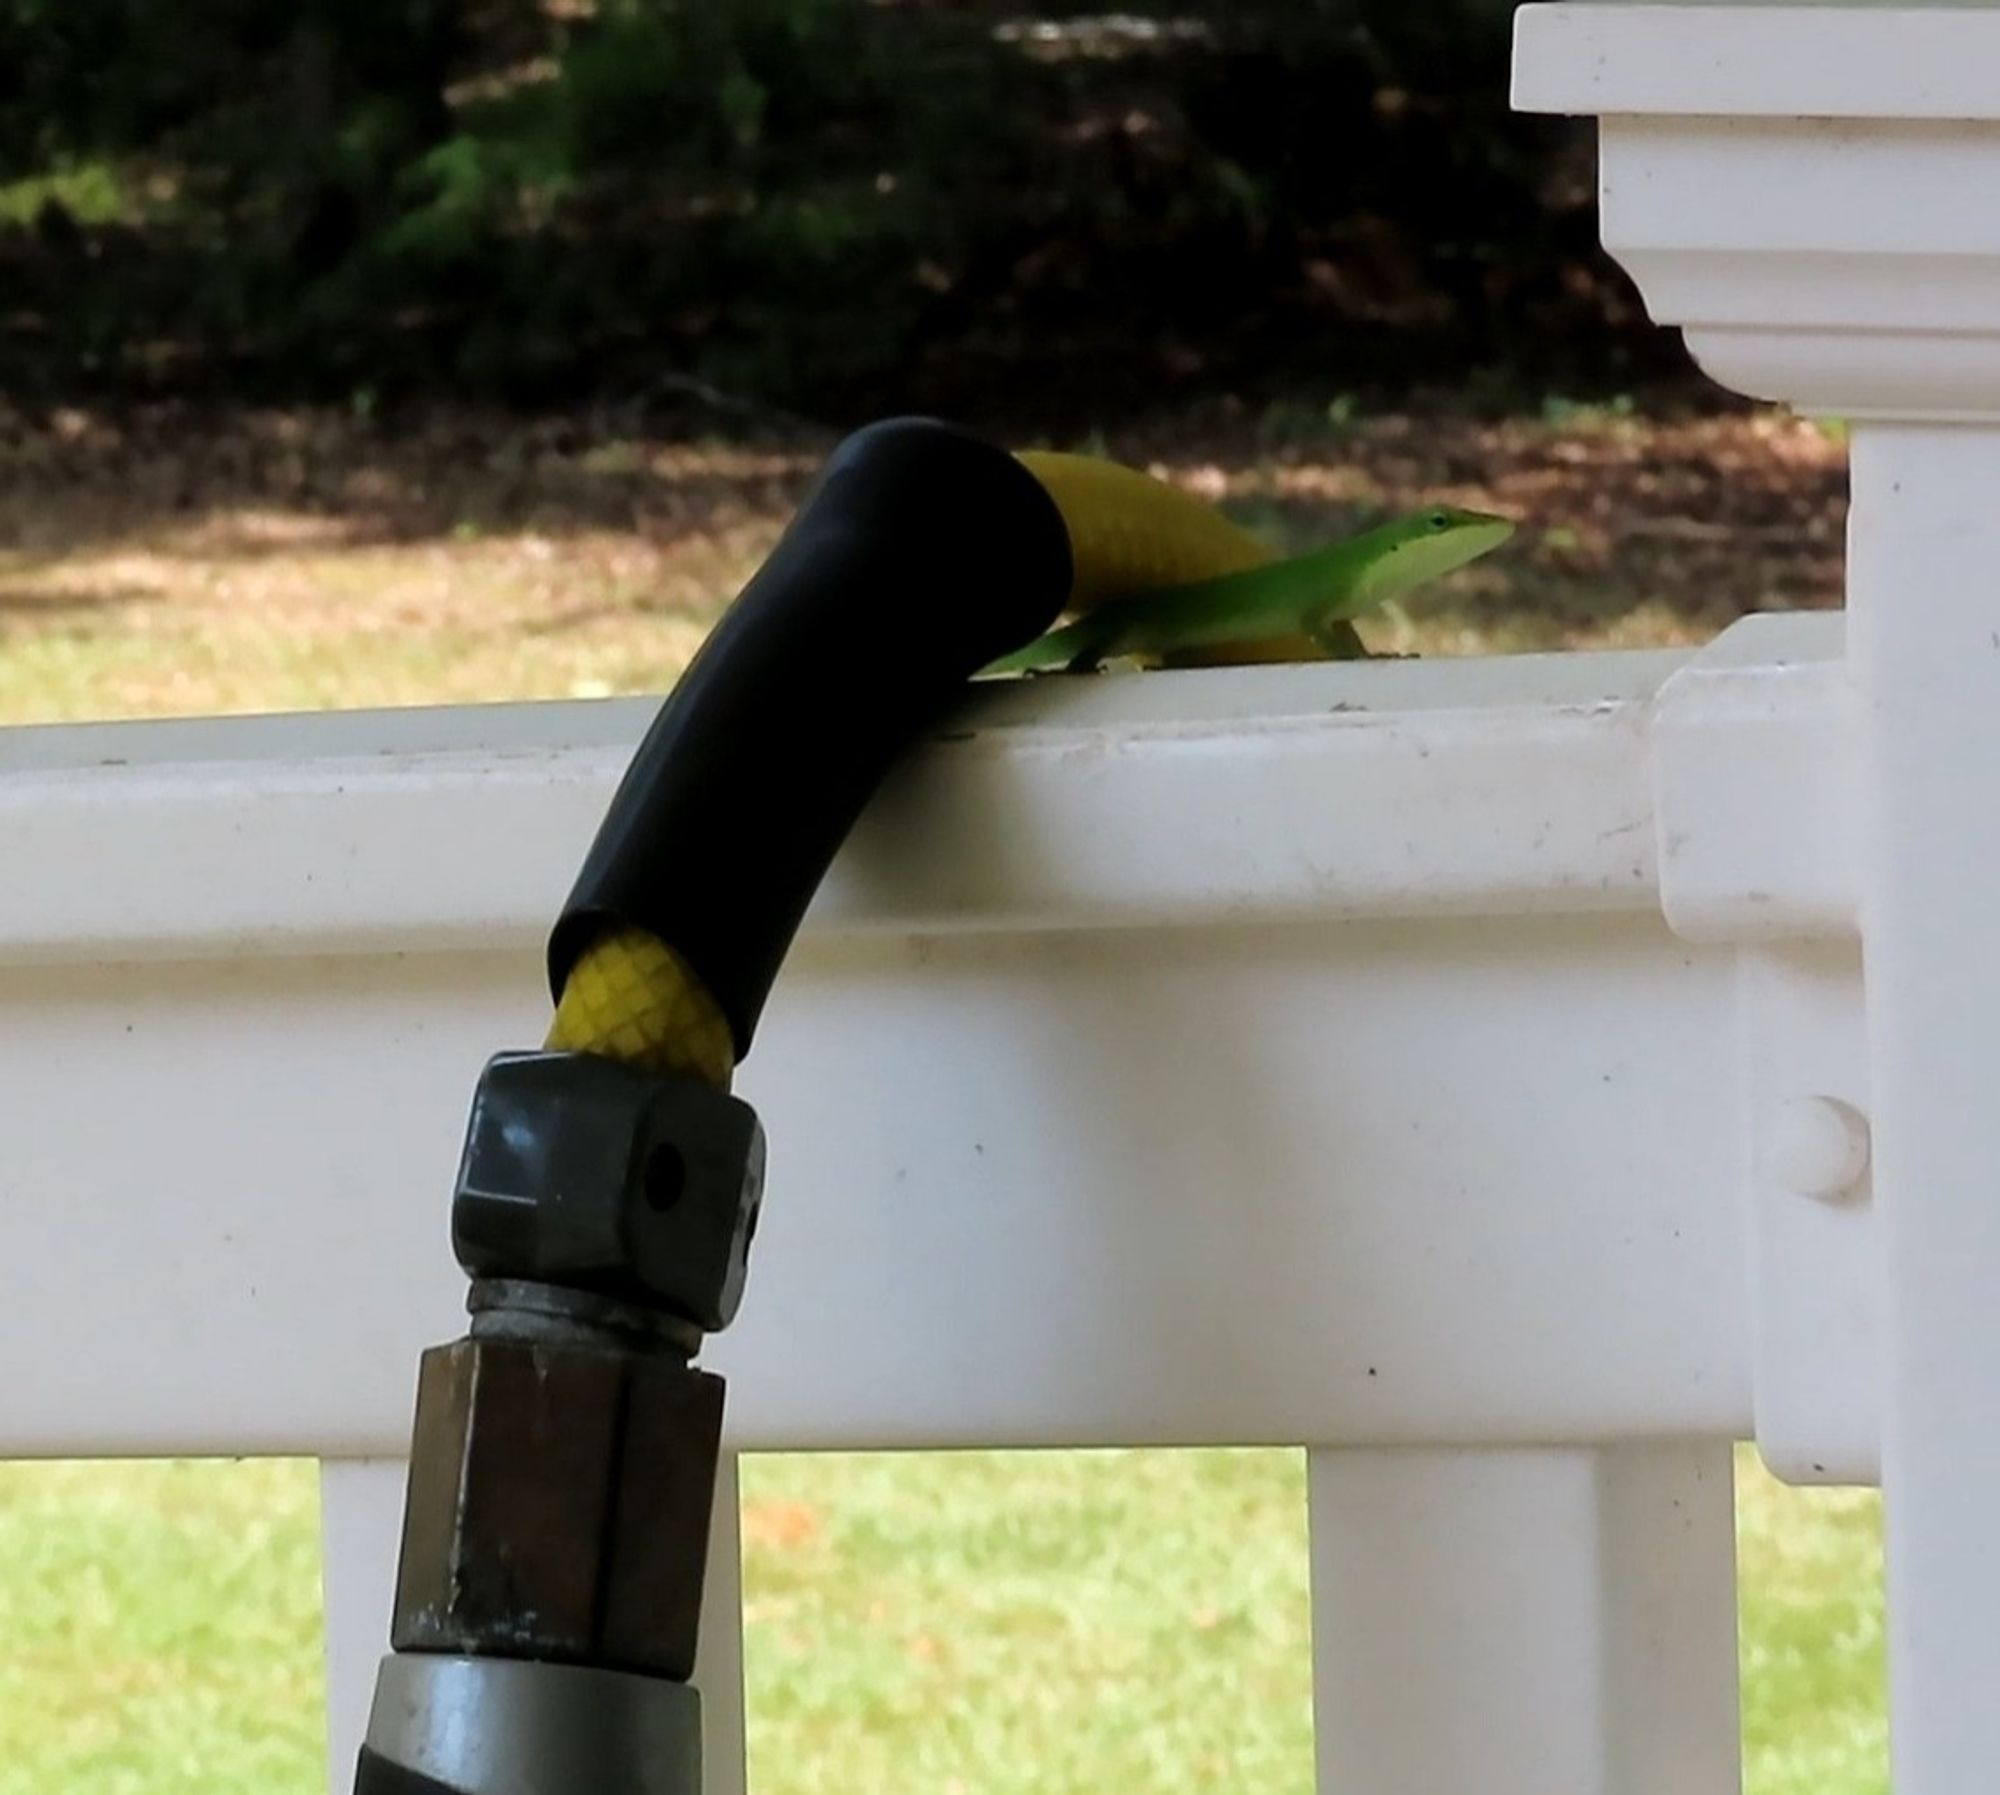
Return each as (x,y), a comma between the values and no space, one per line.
(1423,545)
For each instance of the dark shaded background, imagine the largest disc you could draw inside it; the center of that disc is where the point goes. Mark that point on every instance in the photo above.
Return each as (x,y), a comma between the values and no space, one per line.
(822,208)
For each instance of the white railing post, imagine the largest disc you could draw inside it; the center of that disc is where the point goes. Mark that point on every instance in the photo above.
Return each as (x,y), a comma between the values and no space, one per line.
(1925,594)
(1516,1622)
(1809,192)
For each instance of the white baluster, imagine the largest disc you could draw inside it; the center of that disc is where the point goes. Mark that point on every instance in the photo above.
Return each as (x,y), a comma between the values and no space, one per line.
(361,1529)
(1531,1622)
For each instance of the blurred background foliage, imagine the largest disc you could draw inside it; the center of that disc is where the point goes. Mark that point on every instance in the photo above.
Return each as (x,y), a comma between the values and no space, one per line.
(810,205)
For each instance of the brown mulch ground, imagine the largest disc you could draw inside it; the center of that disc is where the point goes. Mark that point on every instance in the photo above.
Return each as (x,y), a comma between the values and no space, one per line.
(515,557)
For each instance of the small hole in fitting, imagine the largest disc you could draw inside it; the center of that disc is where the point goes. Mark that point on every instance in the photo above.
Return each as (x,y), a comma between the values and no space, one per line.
(666,1177)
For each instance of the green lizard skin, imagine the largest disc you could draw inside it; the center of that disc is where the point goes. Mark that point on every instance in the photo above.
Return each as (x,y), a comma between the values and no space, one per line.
(1311,594)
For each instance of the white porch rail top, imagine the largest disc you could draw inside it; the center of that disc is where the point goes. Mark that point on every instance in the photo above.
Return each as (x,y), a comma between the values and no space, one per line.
(1466,787)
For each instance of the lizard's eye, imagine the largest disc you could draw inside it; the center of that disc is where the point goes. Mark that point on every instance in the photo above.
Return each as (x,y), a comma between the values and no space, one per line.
(1438,520)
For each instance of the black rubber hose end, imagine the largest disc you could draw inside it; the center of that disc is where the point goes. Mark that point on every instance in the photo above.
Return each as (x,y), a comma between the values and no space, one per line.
(922,554)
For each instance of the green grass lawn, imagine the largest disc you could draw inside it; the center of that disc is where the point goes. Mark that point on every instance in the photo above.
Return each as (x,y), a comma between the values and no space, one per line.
(982,1623)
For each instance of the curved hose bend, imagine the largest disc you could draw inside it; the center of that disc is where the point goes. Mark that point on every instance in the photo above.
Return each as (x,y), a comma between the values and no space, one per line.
(920,556)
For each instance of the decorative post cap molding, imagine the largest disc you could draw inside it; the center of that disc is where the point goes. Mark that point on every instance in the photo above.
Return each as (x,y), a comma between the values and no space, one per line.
(1810,193)
(1850,61)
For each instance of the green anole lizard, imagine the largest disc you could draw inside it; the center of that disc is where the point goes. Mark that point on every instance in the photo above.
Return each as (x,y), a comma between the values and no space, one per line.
(1311,595)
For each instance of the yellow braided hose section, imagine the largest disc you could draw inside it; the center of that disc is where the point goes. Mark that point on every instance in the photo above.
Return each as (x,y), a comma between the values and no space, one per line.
(632,998)
(1129,533)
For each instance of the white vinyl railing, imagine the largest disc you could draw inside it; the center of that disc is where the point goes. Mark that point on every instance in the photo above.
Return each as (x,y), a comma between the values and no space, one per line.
(1277,1055)
(1460,1069)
